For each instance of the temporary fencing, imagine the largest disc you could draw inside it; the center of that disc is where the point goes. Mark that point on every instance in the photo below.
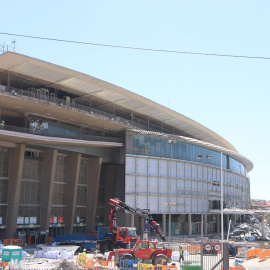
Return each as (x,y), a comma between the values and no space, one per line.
(129,264)
(260,253)
(13,242)
(265,254)
(211,251)
(99,265)
(4,264)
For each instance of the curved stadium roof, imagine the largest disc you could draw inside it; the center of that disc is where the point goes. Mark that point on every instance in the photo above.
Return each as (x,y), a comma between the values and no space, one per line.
(105,94)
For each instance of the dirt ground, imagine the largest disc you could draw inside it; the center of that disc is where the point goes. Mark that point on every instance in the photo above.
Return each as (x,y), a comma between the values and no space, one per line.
(43,263)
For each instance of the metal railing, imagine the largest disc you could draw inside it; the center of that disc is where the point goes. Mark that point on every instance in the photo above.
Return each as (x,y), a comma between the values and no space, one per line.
(72,105)
(47,133)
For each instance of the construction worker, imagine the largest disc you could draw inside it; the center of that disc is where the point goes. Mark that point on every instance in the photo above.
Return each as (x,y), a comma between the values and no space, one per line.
(84,252)
(2,125)
(181,254)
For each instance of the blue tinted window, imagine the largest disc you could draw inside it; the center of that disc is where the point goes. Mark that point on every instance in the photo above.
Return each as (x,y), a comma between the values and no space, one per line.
(180,150)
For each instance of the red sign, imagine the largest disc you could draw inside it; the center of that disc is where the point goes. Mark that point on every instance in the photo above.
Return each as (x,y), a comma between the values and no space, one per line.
(60,219)
(208,247)
(51,220)
(217,247)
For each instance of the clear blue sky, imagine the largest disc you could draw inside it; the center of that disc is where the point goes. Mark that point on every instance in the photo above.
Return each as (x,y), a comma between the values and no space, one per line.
(227,95)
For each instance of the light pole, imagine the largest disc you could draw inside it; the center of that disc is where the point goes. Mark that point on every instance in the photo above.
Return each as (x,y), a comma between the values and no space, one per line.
(170,213)
(202,200)
(170,142)
(221,199)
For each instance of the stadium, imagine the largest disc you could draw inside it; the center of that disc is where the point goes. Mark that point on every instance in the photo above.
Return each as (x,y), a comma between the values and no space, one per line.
(69,142)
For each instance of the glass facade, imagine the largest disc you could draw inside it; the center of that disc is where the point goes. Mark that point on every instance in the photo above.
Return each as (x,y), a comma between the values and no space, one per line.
(159,147)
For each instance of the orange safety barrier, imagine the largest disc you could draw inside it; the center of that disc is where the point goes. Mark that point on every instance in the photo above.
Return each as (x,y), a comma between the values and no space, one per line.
(237,268)
(254,253)
(6,242)
(90,264)
(193,249)
(17,242)
(13,242)
(164,267)
(263,256)
(106,263)
(4,265)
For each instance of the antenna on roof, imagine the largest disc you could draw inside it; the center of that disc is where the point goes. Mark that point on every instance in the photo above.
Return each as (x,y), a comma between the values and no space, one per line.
(2,47)
(14,44)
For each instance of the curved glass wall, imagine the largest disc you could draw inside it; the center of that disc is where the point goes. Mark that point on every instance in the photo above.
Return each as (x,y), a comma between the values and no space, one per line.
(159,147)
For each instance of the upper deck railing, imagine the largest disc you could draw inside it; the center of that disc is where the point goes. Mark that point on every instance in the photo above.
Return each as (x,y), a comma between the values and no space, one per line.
(49,133)
(40,97)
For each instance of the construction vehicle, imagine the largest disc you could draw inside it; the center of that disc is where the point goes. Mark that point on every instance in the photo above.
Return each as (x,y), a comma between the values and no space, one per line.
(148,251)
(124,237)
(119,237)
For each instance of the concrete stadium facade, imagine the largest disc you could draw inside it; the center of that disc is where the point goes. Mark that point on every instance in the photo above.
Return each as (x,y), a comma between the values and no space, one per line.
(71,142)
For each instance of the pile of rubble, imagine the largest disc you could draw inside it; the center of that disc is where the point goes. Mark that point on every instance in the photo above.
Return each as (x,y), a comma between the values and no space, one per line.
(250,230)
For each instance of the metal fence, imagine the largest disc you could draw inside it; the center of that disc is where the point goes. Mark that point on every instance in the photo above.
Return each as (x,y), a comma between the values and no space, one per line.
(212,255)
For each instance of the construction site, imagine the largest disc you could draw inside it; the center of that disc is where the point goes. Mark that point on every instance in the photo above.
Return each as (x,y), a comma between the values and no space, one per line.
(70,142)
(244,247)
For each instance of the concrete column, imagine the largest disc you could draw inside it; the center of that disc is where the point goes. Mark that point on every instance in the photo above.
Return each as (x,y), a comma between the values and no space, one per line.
(228,221)
(132,220)
(16,160)
(109,193)
(189,225)
(205,224)
(164,224)
(263,227)
(218,224)
(235,218)
(94,168)
(48,174)
(73,170)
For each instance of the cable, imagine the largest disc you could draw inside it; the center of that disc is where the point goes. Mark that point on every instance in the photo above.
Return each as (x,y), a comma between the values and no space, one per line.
(142,49)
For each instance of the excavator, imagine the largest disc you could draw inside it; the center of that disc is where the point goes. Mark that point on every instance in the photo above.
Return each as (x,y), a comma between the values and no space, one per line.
(147,251)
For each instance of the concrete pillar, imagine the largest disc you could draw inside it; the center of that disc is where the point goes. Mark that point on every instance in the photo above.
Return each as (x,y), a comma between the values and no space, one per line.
(228,221)
(205,224)
(94,168)
(263,227)
(132,220)
(48,174)
(16,160)
(189,225)
(218,224)
(164,224)
(235,219)
(109,193)
(73,170)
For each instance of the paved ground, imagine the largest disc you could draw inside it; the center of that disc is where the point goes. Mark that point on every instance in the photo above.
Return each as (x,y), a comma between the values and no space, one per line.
(254,264)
